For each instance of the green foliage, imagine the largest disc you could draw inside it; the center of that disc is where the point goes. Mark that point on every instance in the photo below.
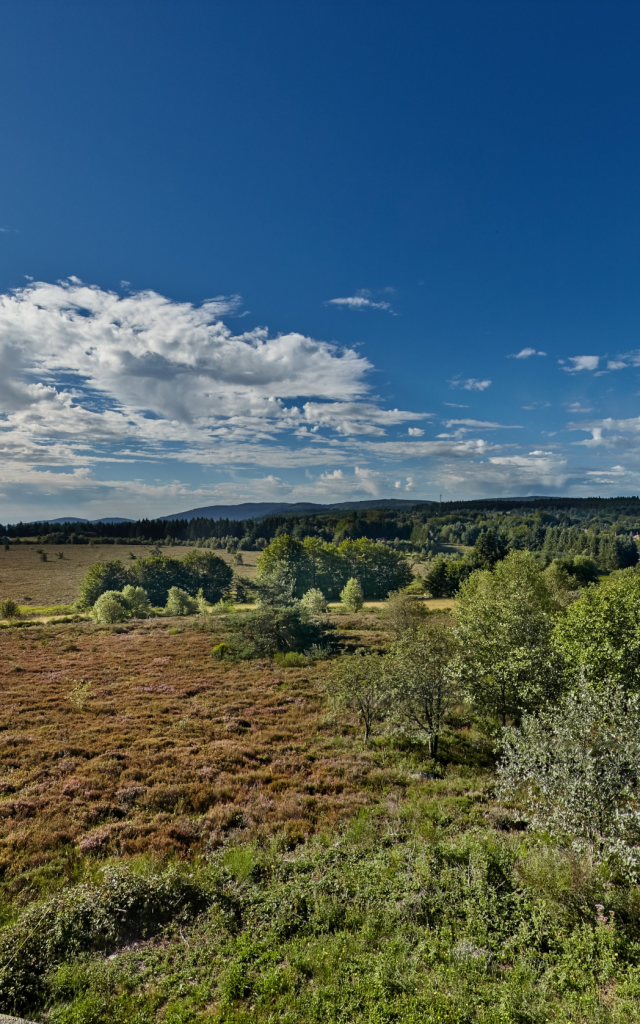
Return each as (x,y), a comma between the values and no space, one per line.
(111,607)
(205,571)
(505,623)
(137,601)
(101,577)
(491,547)
(262,633)
(297,566)
(9,609)
(362,684)
(314,602)
(403,612)
(427,684)
(351,595)
(600,634)
(446,575)
(575,771)
(180,603)
(290,659)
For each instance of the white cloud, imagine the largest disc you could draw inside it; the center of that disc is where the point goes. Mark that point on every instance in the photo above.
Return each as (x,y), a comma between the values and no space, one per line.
(471,384)
(482,424)
(525,353)
(582,363)
(415,432)
(361,300)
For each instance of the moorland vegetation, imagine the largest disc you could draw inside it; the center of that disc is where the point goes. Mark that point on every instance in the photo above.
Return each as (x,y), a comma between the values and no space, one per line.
(301,811)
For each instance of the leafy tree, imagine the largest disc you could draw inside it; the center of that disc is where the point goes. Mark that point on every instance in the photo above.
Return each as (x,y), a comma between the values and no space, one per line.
(428,686)
(110,607)
(505,621)
(351,595)
(575,771)
(314,601)
(206,571)
(363,684)
(101,577)
(600,634)
(377,567)
(179,602)
(446,575)
(157,575)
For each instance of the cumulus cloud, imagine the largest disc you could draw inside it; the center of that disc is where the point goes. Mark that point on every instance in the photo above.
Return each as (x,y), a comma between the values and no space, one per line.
(525,353)
(415,432)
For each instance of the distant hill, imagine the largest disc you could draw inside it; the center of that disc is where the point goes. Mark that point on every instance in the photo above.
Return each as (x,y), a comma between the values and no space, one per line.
(75,519)
(257,510)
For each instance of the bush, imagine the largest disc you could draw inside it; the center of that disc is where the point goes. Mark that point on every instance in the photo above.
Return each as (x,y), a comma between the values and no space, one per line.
(262,633)
(403,612)
(137,601)
(206,571)
(575,770)
(110,607)
(290,659)
(361,683)
(9,609)
(180,603)
(314,601)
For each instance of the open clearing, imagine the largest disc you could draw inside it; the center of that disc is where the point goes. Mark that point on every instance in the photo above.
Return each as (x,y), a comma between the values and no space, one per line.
(25,578)
(136,740)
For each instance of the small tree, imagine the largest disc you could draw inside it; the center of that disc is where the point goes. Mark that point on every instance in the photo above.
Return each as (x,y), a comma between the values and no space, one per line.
(363,684)
(403,612)
(101,577)
(180,603)
(575,771)
(427,683)
(137,601)
(110,607)
(314,601)
(351,595)
(262,633)
(505,622)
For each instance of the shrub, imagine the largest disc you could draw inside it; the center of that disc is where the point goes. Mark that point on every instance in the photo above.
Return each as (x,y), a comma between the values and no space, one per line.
(403,612)
(427,684)
(9,609)
(137,601)
(110,607)
(180,603)
(206,571)
(314,601)
(266,631)
(351,595)
(575,770)
(290,659)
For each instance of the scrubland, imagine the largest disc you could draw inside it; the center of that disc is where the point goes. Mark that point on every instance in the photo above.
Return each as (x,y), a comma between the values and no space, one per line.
(198,841)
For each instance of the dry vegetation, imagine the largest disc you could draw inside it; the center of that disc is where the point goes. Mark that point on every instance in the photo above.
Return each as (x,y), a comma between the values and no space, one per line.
(130,741)
(25,578)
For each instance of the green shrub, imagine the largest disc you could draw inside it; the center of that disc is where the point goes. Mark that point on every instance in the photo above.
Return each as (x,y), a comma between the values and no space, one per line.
(351,595)
(101,577)
(262,633)
(137,601)
(290,659)
(180,603)
(110,607)
(9,609)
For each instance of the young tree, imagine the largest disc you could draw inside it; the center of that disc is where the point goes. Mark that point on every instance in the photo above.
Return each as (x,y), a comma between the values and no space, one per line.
(403,612)
(314,601)
(505,619)
(101,577)
(427,682)
(600,634)
(575,771)
(351,595)
(136,600)
(180,603)
(110,607)
(361,683)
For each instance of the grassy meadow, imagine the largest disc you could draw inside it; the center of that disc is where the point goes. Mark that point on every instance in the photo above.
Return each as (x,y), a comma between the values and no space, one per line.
(192,841)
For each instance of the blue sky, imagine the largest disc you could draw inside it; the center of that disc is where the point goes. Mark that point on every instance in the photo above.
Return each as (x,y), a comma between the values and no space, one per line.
(316,251)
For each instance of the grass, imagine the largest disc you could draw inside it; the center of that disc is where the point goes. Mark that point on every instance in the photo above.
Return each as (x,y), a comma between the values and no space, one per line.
(29,581)
(184,841)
